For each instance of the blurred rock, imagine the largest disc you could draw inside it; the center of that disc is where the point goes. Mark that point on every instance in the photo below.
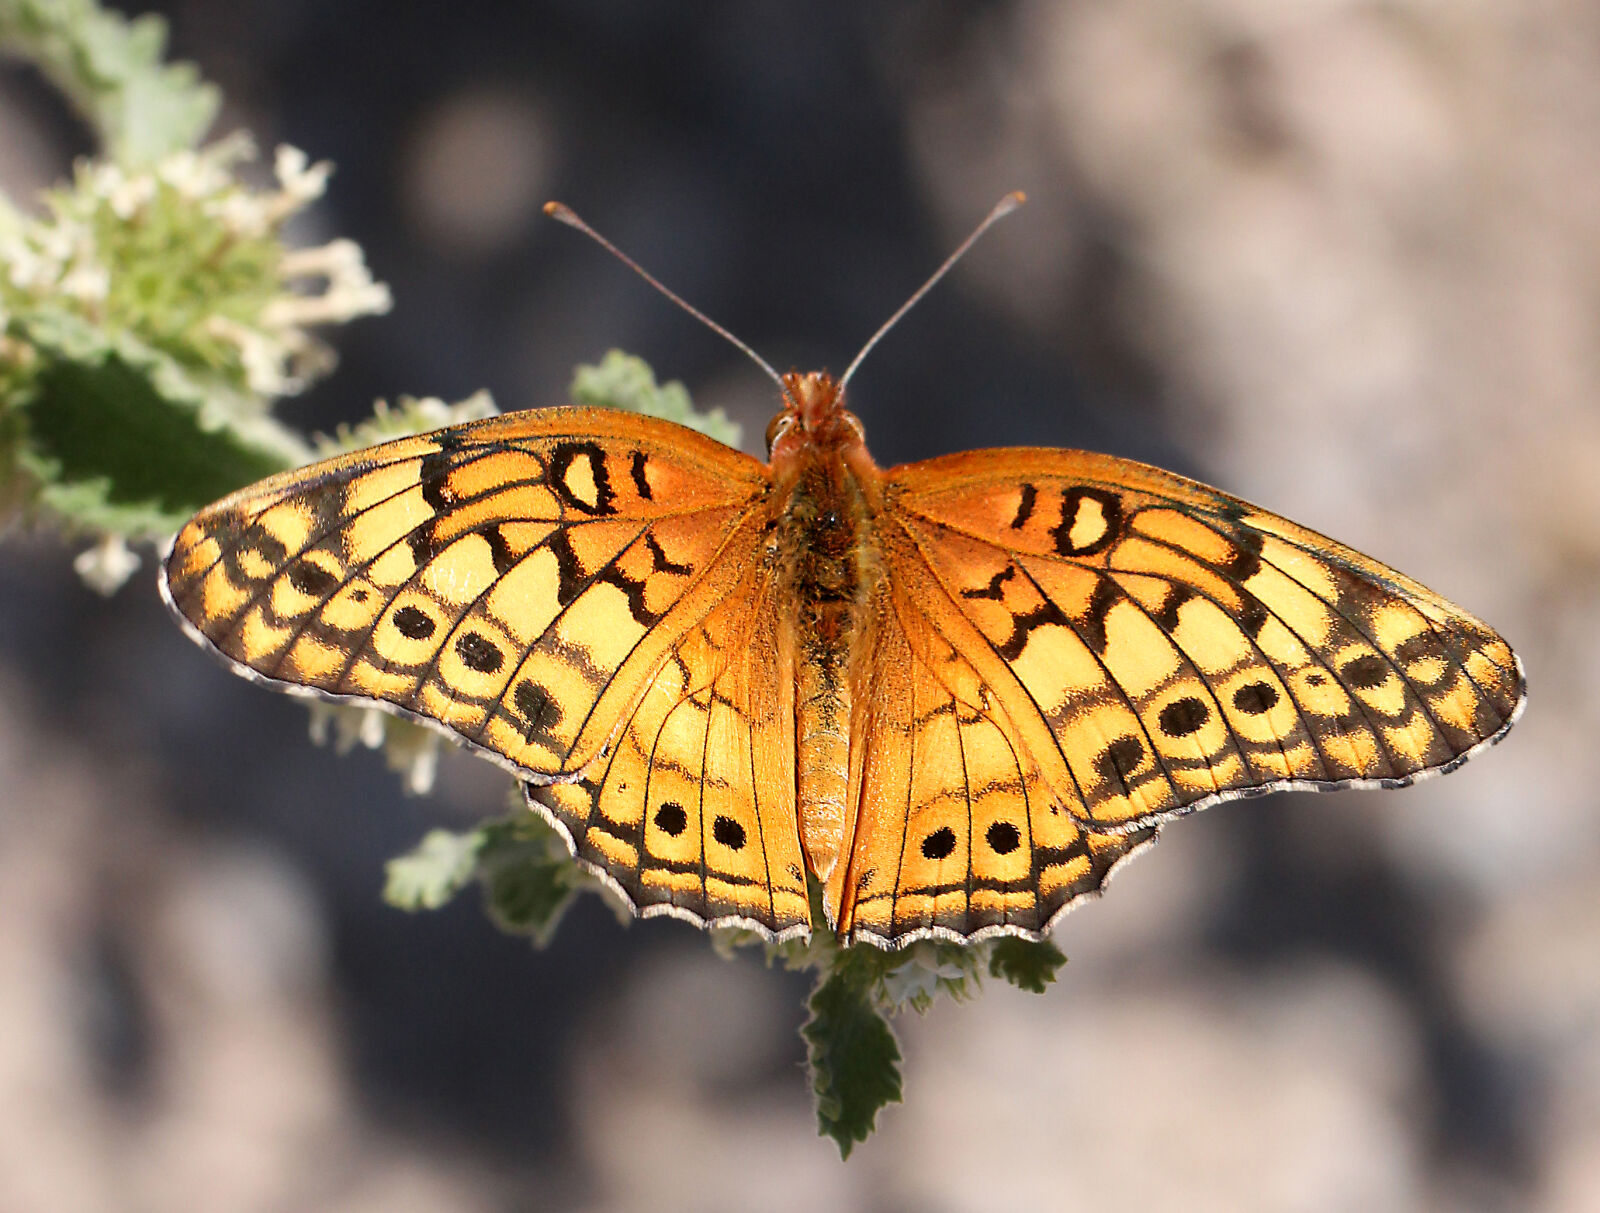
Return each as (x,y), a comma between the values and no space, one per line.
(201,1069)
(1198,1091)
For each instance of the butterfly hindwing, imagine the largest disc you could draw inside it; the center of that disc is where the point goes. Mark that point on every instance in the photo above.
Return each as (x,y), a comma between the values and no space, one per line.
(1181,646)
(691,812)
(957,834)
(515,580)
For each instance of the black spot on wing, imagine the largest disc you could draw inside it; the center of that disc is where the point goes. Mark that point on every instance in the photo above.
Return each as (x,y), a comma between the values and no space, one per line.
(636,466)
(414,624)
(1119,760)
(1183,716)
(1366,672)
(1255,698)
(940,844)
(671,818)
(728,832)
(539,711)
(311,578)
(562,461)
(478,652)
(1003,837)
(993,589)
(1030,497)
(1419,647)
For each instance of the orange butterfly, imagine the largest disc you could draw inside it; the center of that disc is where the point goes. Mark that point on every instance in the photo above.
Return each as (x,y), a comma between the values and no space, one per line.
(957,692)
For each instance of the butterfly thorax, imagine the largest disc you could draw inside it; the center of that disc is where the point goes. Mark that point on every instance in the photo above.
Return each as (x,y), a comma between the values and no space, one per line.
(828,490)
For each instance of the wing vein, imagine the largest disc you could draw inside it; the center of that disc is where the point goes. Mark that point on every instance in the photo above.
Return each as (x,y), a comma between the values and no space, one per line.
(955,607)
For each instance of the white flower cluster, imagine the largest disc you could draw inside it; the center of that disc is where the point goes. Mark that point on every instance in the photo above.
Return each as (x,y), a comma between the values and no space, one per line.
(410,749)
(92,234)
(106,566)
(930,969)
(280,358)
(53,255)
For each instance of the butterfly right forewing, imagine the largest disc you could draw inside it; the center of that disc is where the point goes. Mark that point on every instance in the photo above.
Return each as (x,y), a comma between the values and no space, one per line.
(1163,646)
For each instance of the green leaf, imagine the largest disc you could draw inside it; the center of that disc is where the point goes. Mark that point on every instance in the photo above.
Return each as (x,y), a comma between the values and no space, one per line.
(528,877)
(854,1057)
(111,70)
(623,381)
(1027,964)
(431,874)
(121,440)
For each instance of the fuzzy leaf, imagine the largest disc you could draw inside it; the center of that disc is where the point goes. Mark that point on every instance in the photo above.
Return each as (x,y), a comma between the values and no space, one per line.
(111,70)
(431,874)
(1027,964)
(528,877)
(853,1055)
(121,440)
(623,381)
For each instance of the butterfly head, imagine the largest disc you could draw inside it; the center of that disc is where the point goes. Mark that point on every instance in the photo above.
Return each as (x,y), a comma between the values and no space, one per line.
(814,420)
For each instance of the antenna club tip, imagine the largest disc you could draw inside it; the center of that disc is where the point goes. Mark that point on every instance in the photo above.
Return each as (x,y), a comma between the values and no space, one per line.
(560,211)
(1011,202)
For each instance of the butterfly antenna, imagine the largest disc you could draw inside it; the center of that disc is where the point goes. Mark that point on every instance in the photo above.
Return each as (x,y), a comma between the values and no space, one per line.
(565,214)
(1001,209)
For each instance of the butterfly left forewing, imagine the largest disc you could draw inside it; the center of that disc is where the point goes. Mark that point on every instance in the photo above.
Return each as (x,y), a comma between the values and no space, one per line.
(515,581)
(1178,646)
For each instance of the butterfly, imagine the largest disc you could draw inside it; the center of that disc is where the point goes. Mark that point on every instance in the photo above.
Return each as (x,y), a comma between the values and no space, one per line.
(956,693)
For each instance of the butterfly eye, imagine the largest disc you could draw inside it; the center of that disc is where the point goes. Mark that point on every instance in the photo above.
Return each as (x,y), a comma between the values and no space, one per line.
(777,428)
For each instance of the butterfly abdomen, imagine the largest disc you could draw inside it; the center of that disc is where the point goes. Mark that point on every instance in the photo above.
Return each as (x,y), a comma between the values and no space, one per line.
(831,574)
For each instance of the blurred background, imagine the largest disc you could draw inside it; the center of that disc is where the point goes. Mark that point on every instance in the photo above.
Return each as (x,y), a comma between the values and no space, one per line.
(1338,257)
